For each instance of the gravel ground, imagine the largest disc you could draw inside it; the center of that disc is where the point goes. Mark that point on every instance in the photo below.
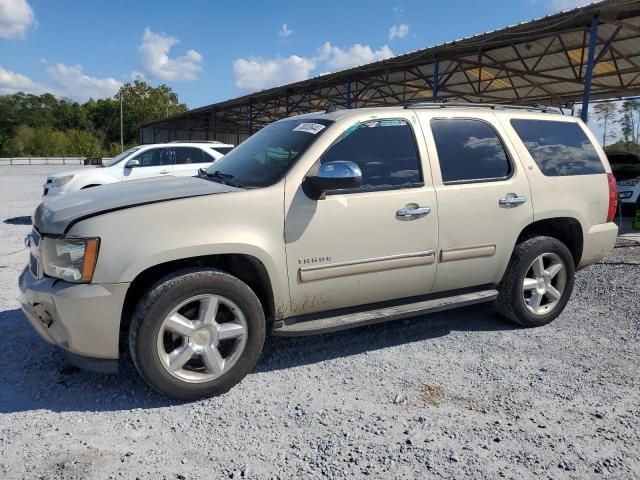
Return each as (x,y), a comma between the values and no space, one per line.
(461,394)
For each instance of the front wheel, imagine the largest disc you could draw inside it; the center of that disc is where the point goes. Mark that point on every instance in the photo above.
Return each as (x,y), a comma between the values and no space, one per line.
(197,333)
(538,282)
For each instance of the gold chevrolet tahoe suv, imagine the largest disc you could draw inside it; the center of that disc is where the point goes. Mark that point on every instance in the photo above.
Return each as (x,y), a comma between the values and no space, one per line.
(318,223)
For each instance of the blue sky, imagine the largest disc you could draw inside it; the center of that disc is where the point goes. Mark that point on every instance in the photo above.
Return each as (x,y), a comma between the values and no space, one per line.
(209,51)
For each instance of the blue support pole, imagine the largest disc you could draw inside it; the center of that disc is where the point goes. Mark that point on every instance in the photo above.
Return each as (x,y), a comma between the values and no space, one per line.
(435,85)
(347,95)
(588,77)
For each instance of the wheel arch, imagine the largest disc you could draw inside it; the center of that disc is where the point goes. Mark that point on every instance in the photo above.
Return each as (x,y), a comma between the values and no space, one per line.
(566,229)
(247,268)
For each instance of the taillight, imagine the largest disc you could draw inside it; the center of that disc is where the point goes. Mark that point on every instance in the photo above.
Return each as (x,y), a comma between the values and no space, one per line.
(613,197)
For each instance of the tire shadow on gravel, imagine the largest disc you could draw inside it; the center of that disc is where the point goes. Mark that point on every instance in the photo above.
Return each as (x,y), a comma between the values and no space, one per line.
(33,375)
(286,352)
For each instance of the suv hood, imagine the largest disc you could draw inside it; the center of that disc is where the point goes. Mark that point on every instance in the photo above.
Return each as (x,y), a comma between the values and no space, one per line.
(56,215)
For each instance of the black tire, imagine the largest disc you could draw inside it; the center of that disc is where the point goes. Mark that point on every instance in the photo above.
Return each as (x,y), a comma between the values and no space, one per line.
(158,302)
(510,301)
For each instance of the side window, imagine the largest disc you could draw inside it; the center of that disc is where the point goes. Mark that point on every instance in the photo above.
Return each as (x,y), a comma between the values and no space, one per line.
(469,150)
(558,148)
(155,157)
(385,151)
(189,155)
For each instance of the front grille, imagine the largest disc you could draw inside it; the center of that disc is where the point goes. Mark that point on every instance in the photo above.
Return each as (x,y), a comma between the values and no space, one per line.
(33,265)
(34,254)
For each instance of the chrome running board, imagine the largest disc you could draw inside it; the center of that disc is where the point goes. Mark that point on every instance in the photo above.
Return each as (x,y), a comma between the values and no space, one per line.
(293,327)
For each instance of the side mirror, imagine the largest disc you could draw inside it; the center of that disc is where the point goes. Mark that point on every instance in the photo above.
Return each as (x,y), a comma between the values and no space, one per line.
(132,163)
(339,175)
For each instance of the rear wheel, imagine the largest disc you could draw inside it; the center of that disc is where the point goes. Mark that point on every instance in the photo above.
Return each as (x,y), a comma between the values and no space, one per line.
(197,333)
(538,282)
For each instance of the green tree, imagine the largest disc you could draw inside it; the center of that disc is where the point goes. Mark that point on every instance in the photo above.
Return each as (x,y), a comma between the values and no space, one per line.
(82,143)
(45,125)
(629,121)
(605,112)
(141,104)
(19,145)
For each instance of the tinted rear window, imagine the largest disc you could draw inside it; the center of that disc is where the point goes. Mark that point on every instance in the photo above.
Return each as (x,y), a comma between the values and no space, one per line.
(559,148)
(469,150)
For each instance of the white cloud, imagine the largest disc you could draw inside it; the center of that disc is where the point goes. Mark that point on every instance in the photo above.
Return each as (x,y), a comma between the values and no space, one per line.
(258,73)
(356,55)
(558,5)
(66,81)
(12,82)
(15,17)
(72,82)
(398,31)
(285,31)
(154,55)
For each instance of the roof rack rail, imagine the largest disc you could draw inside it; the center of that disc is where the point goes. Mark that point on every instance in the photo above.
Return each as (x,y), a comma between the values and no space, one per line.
(194,141)
(493,106)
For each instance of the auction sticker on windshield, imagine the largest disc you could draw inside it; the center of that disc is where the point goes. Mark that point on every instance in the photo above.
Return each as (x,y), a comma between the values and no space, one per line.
(312,128)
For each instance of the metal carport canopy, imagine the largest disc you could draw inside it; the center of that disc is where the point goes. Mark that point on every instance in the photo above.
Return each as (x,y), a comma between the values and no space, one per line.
(579,55)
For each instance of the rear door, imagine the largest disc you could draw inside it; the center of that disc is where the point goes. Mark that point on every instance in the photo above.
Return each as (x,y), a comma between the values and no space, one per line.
(154,162)
(484,199)
(189,160)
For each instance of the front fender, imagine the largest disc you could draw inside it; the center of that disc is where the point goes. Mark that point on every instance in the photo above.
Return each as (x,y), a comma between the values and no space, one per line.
(248,222)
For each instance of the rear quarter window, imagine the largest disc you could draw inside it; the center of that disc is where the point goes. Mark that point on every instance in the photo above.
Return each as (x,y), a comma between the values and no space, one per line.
(558,148)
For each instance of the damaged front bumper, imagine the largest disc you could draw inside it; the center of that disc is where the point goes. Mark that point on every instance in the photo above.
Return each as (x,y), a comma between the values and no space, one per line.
(83,320)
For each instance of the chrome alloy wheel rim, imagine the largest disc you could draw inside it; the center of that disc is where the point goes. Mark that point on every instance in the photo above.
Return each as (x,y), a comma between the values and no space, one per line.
(202,338)
(544,283)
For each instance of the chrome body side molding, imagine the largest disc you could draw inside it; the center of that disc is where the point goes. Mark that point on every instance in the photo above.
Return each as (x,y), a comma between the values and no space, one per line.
(465,253)
(368,265)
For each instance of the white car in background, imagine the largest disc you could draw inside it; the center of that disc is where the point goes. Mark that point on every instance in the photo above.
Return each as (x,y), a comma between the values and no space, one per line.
(626,169)
(180,159)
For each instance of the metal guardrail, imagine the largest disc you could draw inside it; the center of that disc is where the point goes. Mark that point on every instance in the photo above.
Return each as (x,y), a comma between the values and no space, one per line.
(49,161)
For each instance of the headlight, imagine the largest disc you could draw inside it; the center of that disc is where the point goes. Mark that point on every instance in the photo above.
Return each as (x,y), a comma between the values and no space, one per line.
(70,259)
(60,181)
(625,194)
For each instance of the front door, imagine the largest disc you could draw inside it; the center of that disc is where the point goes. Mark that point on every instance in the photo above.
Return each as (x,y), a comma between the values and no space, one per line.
(154,162)
(484,199)
(370,244)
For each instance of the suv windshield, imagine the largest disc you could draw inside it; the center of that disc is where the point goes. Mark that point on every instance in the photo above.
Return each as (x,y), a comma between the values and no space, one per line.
(112,161)
(265,157)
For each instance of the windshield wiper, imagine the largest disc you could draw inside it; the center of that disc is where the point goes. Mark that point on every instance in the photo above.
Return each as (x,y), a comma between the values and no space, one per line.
(224,178)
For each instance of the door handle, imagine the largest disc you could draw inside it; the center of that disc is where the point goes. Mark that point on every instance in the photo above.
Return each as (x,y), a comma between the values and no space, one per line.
(413,212)
(164,172)
(511,200)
